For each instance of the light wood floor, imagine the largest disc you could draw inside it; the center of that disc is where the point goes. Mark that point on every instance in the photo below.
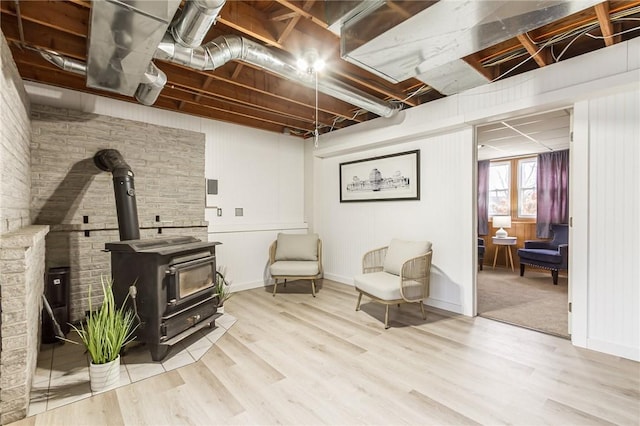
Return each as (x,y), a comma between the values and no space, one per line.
(294,359)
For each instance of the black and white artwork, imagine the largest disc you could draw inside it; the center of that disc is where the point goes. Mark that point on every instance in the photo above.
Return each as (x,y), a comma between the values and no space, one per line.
(385,178)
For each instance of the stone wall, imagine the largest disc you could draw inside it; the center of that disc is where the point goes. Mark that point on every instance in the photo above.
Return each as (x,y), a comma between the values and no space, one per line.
(76,199)
(21,247)
(15,137)
(22,266)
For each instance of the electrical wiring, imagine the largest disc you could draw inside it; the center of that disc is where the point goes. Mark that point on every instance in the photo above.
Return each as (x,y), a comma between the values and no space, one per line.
(575,32)
(552,41)
(619,33)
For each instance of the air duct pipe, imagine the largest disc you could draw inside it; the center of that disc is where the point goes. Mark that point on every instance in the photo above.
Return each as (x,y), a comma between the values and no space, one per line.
(66,64)
(223,49)
(110,160)
(153,82)
(195,20)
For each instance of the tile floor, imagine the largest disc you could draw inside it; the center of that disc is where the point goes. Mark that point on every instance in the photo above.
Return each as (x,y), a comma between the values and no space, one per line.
(62,374)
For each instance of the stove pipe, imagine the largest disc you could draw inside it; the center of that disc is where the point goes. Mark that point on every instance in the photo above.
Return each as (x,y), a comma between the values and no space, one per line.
(110,160)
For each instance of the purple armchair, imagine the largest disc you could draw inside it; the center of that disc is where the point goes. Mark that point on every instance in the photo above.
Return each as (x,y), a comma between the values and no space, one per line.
(552,255)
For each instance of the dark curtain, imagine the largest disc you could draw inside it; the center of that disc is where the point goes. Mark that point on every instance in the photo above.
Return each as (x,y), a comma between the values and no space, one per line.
(553,191)
(483,189)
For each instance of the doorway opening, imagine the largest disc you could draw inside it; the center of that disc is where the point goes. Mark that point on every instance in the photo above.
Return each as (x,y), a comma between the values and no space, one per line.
(510,150)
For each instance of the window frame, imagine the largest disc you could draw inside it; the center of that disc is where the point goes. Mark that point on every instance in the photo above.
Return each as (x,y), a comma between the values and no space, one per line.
(520,161)
(509,191)
(514,194)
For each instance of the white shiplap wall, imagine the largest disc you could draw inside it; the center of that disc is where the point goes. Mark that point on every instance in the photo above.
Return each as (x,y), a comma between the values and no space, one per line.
(610,143)
(260,172)
(602,320)
(446,172)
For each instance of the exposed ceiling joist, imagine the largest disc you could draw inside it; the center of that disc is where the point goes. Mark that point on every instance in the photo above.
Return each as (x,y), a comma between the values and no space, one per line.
(247,95)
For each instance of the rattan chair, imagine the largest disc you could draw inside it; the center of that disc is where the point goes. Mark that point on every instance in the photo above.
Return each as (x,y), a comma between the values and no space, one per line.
(296,257)
(395,274)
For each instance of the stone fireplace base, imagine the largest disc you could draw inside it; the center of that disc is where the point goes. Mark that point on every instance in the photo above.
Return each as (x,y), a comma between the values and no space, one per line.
(22,269)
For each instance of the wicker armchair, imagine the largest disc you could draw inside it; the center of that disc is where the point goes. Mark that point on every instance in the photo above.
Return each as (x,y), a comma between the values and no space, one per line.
(398,273)
(296,257)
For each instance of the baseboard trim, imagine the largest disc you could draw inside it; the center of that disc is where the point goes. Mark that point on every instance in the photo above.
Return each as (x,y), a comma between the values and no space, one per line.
(339,278)
(444,305)
(628,352)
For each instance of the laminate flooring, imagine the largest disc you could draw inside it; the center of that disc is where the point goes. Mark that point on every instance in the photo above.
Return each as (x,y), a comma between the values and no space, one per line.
(295,359)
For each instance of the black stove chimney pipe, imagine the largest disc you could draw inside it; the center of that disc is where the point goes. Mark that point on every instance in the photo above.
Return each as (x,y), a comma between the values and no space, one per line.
(110,160)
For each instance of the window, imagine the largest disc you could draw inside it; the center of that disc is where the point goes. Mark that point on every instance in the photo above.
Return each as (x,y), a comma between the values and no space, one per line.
(527,190)
(519,200)
(499,188)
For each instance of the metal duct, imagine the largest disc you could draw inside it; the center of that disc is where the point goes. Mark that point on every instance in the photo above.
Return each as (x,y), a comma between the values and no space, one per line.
(153,82)
(110,160)
(123,37)
(66,64)
(425,44)
(223,49)
(193,24)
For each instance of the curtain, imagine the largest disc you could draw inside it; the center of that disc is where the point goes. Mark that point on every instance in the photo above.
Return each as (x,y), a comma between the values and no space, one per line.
(553,191)
(483,189)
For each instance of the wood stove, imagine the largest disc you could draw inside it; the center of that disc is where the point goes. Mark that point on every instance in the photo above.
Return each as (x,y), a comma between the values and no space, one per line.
(169,283)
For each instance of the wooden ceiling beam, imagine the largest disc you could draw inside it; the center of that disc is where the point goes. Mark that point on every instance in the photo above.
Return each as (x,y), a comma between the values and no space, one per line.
(278,90)
(473,60)
(287,31)
(542,57)
(282,15)
(236,71)
(297,41)
(243,97)
(304,12)
(62,16)
(49,74)
(43,37)
(187,96)
(211,113)
(253,22)
(602,12)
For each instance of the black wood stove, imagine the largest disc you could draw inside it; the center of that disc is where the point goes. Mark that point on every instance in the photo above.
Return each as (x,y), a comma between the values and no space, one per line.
(172,280)
(169,282)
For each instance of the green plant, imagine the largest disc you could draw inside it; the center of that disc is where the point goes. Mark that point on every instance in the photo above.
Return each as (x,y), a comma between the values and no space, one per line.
(108,329)
(221,288)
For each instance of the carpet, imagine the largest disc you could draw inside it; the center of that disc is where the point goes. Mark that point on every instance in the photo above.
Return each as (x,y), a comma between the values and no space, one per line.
(531,301)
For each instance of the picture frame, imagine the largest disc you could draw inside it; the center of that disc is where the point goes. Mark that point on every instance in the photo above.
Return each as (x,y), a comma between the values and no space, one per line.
(392,177)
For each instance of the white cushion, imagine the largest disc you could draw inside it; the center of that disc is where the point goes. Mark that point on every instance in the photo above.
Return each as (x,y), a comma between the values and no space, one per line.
(400,251)
(294,268)
(379,284)
(297,247)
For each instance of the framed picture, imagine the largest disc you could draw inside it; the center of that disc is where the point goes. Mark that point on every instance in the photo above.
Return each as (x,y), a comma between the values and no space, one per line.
(385,178)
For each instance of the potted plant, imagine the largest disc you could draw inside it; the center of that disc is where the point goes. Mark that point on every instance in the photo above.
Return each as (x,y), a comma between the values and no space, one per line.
(106,332)
(221,290)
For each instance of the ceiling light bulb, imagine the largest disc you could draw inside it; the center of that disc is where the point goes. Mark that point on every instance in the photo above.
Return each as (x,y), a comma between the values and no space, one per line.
(302,64)
(318,65)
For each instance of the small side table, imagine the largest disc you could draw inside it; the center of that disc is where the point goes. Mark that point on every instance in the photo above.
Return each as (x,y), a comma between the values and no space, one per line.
(506,242)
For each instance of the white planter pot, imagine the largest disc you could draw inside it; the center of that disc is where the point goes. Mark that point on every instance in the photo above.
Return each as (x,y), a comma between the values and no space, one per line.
(105,376)
(220,309)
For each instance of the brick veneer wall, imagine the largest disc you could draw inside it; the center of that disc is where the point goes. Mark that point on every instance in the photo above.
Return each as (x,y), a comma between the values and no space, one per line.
(15,137)
(22,265)
(21,247)
(69,190)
